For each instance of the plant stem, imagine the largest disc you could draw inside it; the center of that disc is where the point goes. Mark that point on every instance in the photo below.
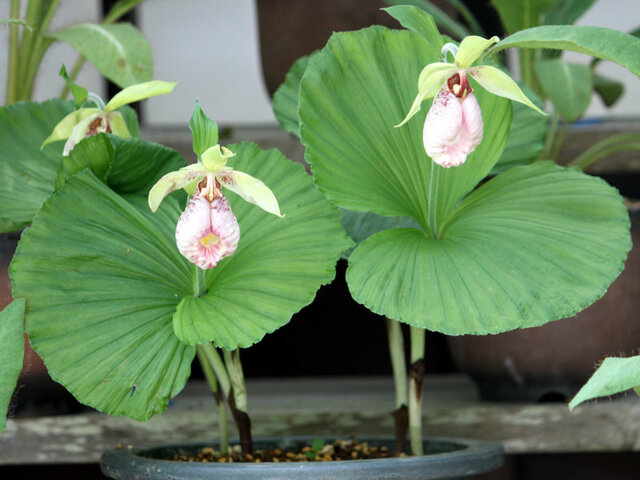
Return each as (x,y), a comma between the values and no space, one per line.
(240,410)
(551,135)
(219,369)
(39,48)
(416,377)
(432,205)
(218,397)
(12,68)
(399,367)
(559,141)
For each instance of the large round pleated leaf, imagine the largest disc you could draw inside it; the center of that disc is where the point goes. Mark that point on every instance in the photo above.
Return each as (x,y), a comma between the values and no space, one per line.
(534,244)
(352,94)
(280,262)
(102,278)
(27,174)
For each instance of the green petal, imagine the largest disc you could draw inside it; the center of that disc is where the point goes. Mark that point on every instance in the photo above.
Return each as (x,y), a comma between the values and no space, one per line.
(430,80)
(250,189)
(173,181)
(471,48)
(118,125)
(63,129)
(499,83)
(138,92)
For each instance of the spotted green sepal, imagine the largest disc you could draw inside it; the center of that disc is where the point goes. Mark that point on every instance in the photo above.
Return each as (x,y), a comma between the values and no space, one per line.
(501,84)
(471,48)
(431,79)
(138,92)
(173,181)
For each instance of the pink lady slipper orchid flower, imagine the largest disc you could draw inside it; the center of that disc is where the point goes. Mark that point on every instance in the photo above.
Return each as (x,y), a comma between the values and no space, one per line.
(207,230)
(85,122)
(453,127)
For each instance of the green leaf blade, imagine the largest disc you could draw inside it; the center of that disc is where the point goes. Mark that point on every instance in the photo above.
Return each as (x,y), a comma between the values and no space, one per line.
(598,42)
(417,20)
(285,98)
(11,353)
(119,51)
(102,278)
(568,86)
(532,245)
(615,375)
(27,174)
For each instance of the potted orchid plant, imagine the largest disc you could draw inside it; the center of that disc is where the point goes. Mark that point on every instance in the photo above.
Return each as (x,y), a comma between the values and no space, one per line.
(441,246)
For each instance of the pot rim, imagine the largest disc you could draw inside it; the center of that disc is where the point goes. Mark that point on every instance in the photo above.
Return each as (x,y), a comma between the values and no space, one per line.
(474,456)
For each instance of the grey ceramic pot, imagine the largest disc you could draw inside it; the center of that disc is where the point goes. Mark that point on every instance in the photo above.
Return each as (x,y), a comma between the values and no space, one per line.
(446,458)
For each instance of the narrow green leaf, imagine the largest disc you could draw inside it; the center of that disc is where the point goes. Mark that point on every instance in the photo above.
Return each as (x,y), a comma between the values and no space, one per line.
(615,375)
(609,90)
(203,129)
(532,245)
(79,93)
(258,288)
(139,164)
(598,42)
(520,14)
(95,152)
(417,20)
(102,277)
(285,98)
(568,86)
(443,20)
(11,353)
(119,51)
(27,174)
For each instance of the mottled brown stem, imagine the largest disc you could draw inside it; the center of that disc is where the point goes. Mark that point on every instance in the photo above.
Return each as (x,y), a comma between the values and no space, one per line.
(401,419)
(243,422)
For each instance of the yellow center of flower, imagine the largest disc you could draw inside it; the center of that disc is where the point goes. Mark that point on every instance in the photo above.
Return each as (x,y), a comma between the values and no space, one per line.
(209,240)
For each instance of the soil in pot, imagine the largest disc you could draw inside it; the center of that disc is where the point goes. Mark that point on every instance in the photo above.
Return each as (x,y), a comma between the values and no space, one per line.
(445,458)
(552,362)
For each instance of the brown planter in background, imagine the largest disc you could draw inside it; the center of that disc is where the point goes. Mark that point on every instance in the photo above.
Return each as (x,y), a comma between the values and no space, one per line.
(290,30)
(553,361)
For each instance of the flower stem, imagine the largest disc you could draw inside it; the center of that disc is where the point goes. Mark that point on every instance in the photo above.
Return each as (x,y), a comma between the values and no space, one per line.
(399,367)
(416,377)
(12,70)
(240,410)
(199,282)
(432,205)
(218,397)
